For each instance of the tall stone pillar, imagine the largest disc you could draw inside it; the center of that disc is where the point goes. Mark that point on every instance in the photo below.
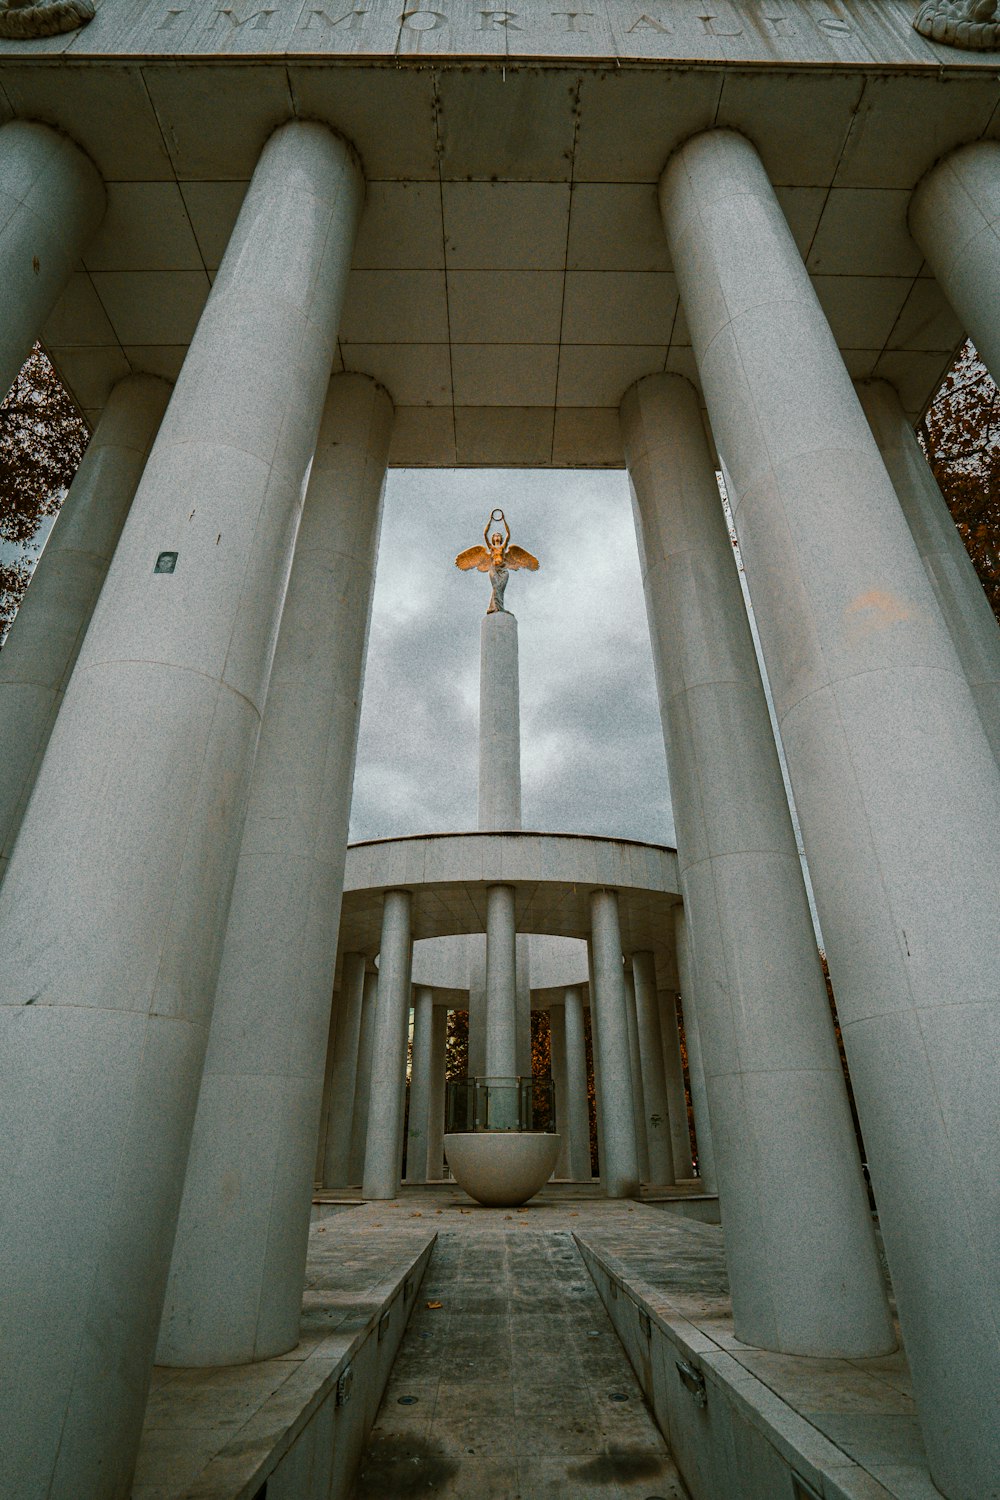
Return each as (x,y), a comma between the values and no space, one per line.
(44,641)
(328,1068)
(500,808)
(420,1084)
(635,1071)
(696,1070)
(235,1287)
(344,1074)
(560,1100)
(595,1051)
(477,1006)
(673,1069)
(501,1004)
(954,220)
(392,1019)
(959,593)
(659,1139)
(52,201)
(896,787)
(128,849)
(620,1169)
(793,1197)
(578,1114)
(436,1097)
(363,1085)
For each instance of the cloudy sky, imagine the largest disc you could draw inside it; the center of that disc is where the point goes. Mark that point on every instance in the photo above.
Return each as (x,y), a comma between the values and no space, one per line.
(591,747)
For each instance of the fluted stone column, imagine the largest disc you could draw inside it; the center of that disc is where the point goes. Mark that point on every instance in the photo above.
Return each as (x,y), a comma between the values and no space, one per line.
(235,1287)
(792,1194)
(344,1074)
(52,201)
(894,780)
(673,1069)
(620,1169)
(635,1071)
(659,1138)
(363,1084)
(42,647)
(128,849)
(959,593)
(955,219)
(560,1100)
(696,1070)
(436,1098)
(578,1114)
(392,1018)
(420,1084)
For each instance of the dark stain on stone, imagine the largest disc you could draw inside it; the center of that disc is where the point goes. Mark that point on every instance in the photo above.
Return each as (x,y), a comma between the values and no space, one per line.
(617,1468)
(395,1468)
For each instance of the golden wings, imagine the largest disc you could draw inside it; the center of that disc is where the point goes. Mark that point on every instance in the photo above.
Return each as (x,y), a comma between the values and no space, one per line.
(479,558)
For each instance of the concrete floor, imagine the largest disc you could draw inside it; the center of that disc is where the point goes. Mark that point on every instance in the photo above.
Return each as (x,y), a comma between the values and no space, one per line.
(516,1387)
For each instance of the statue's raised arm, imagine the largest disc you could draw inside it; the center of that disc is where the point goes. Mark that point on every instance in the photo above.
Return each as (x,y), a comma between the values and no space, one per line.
(496,559)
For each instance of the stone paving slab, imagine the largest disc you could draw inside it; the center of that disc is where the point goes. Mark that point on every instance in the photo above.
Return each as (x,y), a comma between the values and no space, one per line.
(208,1432)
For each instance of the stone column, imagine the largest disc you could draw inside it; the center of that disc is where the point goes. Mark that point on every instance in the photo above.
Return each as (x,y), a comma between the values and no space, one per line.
(659,1139)
(363,1086)
(501,996)
(620,1169)
(499,724)
(51,203)
(895,783)
(328,1067)
(635,1071)
(392,1018)
(955,221)
(578,1114)
(344,1074)
(595,1053)
(477,1006)
(673,1070)
(696,1070)
(235,1287)
(128,849)
(959,593)
(557,1060)
(420,1084)
(436,1099)
(44,641)
(792,1193)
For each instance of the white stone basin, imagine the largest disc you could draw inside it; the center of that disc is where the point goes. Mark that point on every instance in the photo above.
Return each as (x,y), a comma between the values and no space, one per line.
(502,1168)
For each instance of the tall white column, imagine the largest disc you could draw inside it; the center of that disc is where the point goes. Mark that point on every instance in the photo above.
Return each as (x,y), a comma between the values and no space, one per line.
(673,1069)
(658,1134)
(635,1071)
(620,1169)
(39,654)
(52,201)
(420,1084)
(959,593)
(235,1287)
(595,1053)
(128,849)
(328,1068)
(436,1097)
(392,1018)
(954,218)
(895,784)
(560,1100)
(499,724)
(344,1075)
(500,808)
(696,1070)
(477,1007)
(578,1114)
(363,1084)
(501,968)
(792,1194)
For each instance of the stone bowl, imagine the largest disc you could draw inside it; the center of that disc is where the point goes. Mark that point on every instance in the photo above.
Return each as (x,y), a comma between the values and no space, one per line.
(502,1168)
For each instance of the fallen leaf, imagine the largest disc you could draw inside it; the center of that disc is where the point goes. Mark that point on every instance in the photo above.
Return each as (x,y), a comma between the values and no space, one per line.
(435,1305)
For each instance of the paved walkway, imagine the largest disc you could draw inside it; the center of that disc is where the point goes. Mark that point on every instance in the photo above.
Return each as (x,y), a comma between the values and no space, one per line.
(515,1387)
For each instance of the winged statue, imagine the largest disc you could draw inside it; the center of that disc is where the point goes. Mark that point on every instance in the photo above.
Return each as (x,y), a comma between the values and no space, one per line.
(498,558)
